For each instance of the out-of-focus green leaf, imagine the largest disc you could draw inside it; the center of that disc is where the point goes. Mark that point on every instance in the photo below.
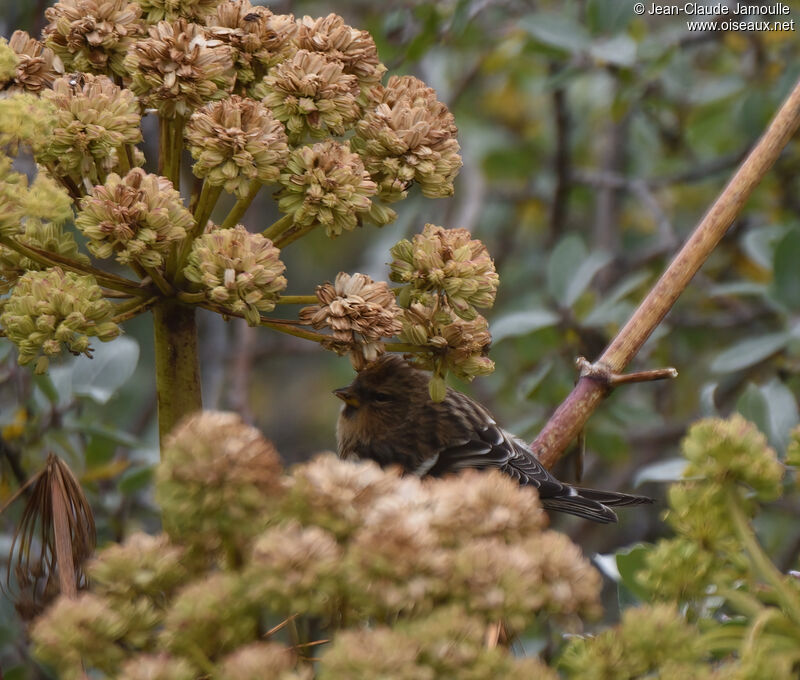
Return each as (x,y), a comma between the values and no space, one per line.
(112,434)
(521,323)
(608,16)
(558,32)
(759,244)
(663,471)
(609,309)
(629,562)
(110,367)
(583,276)
(528,384)
(617,51)
(752,404)
(737,288)
(786,279)
(749,352)
(564,261)
(781,410)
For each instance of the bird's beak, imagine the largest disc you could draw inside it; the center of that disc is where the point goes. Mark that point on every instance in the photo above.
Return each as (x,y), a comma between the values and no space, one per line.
(347,396)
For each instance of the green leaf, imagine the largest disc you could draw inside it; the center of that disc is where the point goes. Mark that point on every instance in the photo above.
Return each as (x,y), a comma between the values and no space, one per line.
(617,51)
(583,276)
(753,406)
(759,244)
(608,16)
(610,308)
(749,352)
(526,387)
(630,561)
(557,32)
(781,411)
(111,366)
(737,288)
(564,261)
(786,278)
(521,323)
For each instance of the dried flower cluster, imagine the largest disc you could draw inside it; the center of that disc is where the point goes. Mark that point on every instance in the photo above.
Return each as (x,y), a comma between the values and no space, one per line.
(35,66)
(408,136)
(94,119)
(325,184)
(50,309)
(93,36)
(258,38)
(238,270)
(359,311)
(217,477)
(346,544)
(236,141)
(311,96)
(352,48)
(171,10)
(136,217)
(178,68)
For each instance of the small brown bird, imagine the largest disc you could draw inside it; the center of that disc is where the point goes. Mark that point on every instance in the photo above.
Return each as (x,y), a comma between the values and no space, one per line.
(388,417)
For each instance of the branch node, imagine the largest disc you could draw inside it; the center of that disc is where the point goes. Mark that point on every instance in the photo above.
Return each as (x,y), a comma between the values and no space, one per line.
(602,373)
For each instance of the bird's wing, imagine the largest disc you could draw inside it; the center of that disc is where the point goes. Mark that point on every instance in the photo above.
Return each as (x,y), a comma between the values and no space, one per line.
(486,445)
(483,444)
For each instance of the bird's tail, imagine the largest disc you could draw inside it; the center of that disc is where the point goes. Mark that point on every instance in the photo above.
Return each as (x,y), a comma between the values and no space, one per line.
(593,504)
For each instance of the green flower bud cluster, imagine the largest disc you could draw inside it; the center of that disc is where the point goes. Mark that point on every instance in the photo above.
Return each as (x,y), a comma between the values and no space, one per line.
(26,119)
(727,459)
(733,451)
(451,342)
(137,218)
(325,184)
(51,310)
(13,187)
(238,270)
(648,638)
(236,141)
(8,63)
(94,119)
(45,236)
(449,261)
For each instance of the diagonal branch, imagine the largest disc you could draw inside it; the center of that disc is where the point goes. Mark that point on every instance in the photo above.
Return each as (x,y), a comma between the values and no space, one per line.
(571,416)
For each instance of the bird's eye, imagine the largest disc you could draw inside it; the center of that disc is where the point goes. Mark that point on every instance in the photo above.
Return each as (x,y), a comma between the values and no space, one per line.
(381,397)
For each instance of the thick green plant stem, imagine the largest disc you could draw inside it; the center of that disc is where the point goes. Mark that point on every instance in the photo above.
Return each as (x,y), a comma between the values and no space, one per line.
(177,370)
(241,206)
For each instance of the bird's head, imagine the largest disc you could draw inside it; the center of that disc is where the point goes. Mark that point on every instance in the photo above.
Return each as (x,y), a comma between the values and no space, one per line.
(383,387)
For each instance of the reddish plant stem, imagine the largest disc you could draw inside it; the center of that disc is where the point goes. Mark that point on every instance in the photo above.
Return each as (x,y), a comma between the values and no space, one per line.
(571,416)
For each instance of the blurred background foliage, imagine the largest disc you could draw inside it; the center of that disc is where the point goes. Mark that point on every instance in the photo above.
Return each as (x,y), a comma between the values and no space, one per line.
(593,142)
